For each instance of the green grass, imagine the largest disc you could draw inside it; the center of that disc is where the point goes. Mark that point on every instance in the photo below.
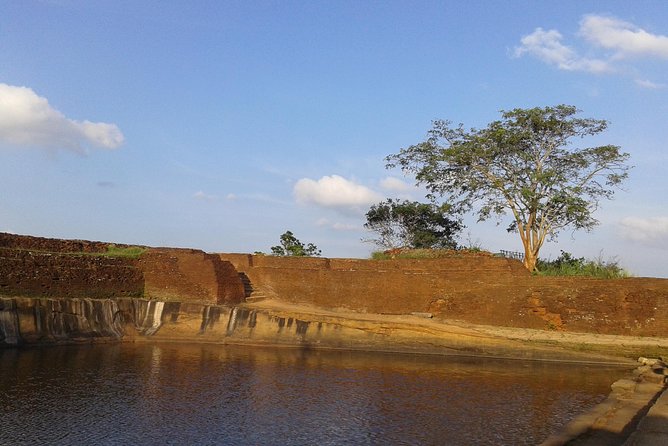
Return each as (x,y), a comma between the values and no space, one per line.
(567,265)
(423,253)
(132,252)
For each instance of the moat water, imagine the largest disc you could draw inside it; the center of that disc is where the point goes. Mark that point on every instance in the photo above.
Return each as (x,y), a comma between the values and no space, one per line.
(155,394)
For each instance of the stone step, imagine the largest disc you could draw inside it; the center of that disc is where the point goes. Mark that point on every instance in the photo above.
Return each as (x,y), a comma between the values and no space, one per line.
(256,297)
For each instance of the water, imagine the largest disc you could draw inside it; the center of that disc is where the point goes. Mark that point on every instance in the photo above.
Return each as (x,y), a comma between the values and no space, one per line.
(147,394)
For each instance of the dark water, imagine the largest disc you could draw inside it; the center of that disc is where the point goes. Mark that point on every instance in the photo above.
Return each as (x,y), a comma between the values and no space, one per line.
(208,394)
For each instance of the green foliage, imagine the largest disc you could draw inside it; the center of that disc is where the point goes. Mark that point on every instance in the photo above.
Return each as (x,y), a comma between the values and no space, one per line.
(567,265)
(524,165)
(128,251)
(406,224)
(291,246)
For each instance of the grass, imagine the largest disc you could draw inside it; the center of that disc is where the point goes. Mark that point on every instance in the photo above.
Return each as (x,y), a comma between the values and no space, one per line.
(564,265)
(423,253)
(567,265)
(132,252)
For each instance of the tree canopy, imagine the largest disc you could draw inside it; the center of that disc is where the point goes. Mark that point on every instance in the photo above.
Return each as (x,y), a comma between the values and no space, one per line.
(406,224)
(524,164)
(291,246)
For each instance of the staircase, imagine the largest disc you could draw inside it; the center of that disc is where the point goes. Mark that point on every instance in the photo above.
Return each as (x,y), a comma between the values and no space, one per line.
(251,293)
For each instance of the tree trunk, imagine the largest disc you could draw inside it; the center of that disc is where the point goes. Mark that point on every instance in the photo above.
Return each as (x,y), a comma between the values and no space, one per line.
(530,260)
(528,240)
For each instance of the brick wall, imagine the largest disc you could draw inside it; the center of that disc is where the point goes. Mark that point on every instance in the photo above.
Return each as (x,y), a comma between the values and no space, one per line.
(39,274)
(479,290)
(171,274)
(41,267)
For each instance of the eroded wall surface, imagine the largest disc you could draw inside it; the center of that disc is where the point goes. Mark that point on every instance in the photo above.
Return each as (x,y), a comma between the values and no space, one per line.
(73,320)
(42,274)
(480,290)
(476,289)
(189,275)
(40,267)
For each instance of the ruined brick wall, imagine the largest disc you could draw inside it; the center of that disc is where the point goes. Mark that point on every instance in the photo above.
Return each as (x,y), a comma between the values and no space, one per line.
(380,286)
(41,267)
(27,242)
(480,290)
(40,274)
(173,274)
(632,306)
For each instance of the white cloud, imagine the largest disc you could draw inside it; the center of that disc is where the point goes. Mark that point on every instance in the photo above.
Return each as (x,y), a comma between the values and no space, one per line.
(614,39)
(337,226)
(547,46)
(651,230)
(231,197)
(27,120)
(395,185)
(344,227)
(200,195)
(644,83)
(335,192)
(625,38)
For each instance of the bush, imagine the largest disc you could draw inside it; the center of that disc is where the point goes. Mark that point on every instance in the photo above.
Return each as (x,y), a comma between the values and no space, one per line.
(567,265)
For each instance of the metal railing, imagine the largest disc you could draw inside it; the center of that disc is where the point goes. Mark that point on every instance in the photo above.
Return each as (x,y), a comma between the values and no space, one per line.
(512,254)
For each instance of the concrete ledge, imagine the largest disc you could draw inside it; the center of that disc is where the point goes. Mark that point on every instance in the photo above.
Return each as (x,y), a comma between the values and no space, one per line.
(634,414)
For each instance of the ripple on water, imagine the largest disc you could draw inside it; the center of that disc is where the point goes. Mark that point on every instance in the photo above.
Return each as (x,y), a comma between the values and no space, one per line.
(208,394)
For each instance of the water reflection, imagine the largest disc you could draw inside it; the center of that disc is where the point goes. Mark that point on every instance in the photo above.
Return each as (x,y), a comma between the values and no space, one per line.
(209,394)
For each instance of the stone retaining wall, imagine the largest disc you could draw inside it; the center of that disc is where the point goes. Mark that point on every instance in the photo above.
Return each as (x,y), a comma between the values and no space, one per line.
(40,274)
(172,274)
(479,290)
(40,267)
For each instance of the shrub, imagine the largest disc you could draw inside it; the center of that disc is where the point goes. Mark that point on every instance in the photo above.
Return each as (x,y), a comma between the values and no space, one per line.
(567,265)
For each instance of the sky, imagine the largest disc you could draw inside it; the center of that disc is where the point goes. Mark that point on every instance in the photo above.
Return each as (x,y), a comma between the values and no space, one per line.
(219,125)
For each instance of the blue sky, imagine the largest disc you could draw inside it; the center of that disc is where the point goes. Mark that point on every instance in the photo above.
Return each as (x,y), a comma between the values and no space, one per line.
(219,125)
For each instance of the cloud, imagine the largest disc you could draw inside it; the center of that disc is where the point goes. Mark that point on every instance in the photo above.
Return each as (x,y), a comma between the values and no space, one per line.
(619,39)
(344,227)
(106,184)
(335,192)
(652,230)
(623,37)
(547,46)
(337,226)
(644,83)
(231,197)
(200,195)
(27,120)
(395,185)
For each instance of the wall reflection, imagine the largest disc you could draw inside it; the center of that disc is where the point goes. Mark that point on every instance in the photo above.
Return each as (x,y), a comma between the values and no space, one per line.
(212,394)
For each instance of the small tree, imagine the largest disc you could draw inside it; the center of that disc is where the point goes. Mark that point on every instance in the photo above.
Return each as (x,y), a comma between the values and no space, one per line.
(406,224)
(291,246)
(523,164)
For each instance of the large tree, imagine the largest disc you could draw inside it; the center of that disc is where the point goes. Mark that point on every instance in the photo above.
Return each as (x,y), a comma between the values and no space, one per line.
(524,164)
(411,224)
